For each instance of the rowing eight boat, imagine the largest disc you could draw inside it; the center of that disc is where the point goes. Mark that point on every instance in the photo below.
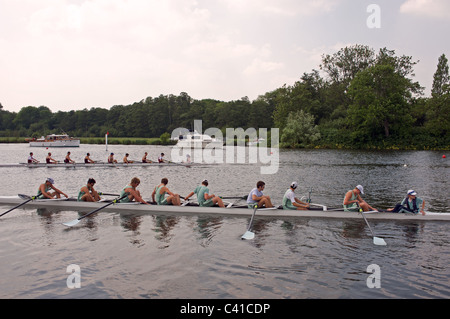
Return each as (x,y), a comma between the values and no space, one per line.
(73,204)
(76,165)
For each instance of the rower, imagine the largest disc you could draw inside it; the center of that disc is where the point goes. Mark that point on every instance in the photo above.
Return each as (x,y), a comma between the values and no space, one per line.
(126,160)
(133,194)
(160,192)
(291,202)
(203,197)
(87,193)
(353,201)
(50,160)
(88,160)
(161,158)
(144,158)
(410,204)
(44,190)
(111,159)
(68,160)
(31,159)
(256,196)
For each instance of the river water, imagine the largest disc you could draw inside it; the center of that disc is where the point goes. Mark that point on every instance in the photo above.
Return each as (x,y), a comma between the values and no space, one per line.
(193,257)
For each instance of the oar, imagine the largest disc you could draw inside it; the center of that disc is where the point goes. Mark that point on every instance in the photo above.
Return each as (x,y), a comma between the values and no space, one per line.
(76,221)
(376,240)
(107,194)
(248,234)
(235,197)
(29,199)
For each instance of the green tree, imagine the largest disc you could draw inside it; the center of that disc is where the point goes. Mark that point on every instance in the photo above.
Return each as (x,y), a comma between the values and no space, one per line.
(300,130)
(438,106)
(441,78)
(380,104)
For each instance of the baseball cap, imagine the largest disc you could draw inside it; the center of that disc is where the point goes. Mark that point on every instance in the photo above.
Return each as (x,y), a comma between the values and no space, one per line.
(361,189)
(51,180)
(294,185)
(412,192)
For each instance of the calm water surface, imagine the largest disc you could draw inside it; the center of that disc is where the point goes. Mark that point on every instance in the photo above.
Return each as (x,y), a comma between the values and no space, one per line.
(168,256)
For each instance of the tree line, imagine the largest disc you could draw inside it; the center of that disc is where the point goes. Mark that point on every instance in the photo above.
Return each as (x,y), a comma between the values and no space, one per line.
(358,98)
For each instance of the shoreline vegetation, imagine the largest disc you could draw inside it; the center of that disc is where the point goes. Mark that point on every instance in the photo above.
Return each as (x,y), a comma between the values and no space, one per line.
(358,99)
(158,141)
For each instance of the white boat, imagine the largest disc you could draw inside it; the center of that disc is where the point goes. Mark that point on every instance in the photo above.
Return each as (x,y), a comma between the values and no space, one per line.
(197,140)
(137,208)
(54,140)
(255,142)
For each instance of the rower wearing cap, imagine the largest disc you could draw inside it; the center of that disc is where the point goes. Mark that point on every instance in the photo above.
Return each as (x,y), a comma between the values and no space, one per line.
(291,202)
(159,195)
(256,196)
(87,193)
(203,197)
(353,201)
(111,159)
(411,204)
(45,188)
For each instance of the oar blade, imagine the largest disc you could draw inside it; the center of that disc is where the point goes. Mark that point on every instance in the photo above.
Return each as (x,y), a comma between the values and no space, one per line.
(379,241)
(248,235)
(71,223)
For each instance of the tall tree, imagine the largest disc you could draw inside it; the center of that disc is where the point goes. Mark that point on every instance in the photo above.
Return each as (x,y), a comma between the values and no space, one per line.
(380,103)
(438,106)
(441,78)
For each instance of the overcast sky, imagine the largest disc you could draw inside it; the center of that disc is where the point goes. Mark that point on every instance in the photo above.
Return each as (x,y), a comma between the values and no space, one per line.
(75,54)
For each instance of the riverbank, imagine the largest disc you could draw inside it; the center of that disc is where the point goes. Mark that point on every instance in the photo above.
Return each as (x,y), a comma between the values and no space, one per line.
(157,141)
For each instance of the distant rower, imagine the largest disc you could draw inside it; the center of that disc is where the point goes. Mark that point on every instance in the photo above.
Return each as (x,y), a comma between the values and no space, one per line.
(68,160)
(31,159)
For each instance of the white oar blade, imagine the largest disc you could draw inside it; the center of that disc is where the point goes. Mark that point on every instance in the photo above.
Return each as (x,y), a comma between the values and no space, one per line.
(72,223)
(379,241)
(248,235)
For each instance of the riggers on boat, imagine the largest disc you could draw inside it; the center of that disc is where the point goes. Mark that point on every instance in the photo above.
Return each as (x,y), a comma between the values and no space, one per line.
(192,209)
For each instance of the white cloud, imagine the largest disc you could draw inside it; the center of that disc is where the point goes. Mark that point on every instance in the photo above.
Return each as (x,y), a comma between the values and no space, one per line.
(282,7)
(429,8)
